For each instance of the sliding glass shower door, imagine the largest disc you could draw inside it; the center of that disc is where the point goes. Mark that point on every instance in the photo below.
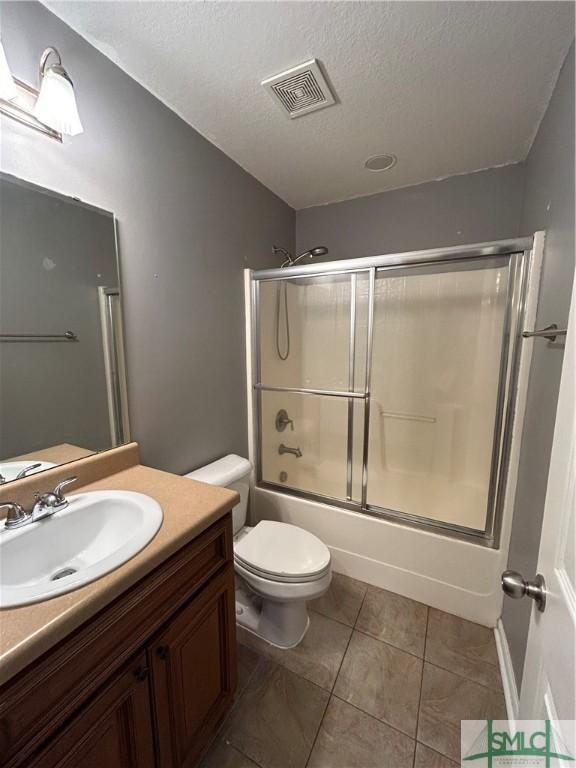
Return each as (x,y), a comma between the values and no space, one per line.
(437,358)
(389,389)
(312,355)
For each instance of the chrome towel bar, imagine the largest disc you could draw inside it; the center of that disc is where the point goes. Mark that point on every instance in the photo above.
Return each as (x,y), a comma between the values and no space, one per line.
(550,333)
(12,337)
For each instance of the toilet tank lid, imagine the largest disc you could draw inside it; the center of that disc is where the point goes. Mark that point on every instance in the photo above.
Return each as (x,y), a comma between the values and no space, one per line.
(226,470)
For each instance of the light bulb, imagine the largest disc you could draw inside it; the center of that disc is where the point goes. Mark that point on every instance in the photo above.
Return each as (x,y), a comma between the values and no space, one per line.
(56,103)
(7,86)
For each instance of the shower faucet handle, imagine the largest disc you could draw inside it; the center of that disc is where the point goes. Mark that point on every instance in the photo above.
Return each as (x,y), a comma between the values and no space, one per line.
(282,421)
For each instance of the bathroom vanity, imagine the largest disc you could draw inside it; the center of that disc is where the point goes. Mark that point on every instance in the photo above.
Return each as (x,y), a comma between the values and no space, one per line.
(147,678)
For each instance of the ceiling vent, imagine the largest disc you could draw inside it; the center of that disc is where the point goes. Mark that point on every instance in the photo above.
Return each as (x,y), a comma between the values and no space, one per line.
(300,90)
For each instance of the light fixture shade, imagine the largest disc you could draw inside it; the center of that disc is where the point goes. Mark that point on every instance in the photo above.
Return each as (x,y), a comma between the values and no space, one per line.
(7,87)
(56,104)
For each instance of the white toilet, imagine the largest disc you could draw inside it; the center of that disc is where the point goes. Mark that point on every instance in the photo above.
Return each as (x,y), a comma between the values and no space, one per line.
(279,567)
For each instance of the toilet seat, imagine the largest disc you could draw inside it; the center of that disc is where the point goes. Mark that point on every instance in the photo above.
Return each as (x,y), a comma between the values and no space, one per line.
(281,578)
(283,553)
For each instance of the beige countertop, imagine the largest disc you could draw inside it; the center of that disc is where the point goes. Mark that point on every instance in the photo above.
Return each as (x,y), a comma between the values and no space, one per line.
(57,454)
(189,508)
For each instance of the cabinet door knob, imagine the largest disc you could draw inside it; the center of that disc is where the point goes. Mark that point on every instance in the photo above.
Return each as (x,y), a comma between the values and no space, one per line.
(162,652)
(141,673)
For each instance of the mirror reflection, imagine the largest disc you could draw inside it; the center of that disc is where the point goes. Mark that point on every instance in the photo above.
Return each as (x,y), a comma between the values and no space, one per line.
(62,372)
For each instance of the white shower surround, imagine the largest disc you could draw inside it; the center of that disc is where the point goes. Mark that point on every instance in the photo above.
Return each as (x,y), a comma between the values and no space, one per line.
(432,401)
(454,575)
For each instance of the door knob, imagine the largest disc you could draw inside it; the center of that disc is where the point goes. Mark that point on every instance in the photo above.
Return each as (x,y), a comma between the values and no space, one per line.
(515,586)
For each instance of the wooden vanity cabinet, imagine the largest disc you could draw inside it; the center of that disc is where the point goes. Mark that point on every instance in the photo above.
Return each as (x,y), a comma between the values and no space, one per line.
(189,663)
(113,730)
(146,682)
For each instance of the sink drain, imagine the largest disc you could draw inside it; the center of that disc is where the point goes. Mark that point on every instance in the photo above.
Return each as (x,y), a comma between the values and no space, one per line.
(63,573)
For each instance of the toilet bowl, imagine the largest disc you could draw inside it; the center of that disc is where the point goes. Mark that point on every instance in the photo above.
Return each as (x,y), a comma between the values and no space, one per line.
(279,567)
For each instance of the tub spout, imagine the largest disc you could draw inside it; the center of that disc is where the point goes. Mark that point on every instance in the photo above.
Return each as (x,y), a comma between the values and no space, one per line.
(285,449)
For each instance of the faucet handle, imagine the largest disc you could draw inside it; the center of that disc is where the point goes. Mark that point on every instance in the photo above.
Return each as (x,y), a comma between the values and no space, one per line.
(27,469)
(282,420)
(16,516)
(53,501)
(61,485)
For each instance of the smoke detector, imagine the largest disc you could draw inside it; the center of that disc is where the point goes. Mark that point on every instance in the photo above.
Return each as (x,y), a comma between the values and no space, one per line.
(300,90)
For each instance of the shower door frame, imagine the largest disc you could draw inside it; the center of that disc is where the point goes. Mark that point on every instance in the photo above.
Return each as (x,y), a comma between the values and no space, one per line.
(518,253)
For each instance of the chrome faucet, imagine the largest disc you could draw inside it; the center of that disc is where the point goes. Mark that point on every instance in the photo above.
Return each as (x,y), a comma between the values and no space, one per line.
(21,474)
(29,468)
(16,515)
(53,501)
(46,504)
(285,449)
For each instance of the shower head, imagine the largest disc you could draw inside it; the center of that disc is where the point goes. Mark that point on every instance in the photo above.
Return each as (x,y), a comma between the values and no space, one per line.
(289,260)
(319,250)
(281,291)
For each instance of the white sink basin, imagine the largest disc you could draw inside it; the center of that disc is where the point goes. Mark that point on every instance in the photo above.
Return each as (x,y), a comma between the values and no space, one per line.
(9,470)
(96,533)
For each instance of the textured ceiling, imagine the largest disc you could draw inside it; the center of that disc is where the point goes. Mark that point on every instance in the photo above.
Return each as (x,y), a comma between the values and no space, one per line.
(448,87)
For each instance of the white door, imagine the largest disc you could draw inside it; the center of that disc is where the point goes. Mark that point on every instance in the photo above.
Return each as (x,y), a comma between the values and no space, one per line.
(549,680)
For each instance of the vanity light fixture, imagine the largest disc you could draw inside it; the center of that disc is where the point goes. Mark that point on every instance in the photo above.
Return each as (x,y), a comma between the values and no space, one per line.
(52,110)
(7,87)
(56,103)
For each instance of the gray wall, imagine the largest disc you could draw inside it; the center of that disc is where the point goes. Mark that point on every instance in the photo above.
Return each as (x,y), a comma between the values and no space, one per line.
(549,205)
(190,220)
(462,209)
(54,253)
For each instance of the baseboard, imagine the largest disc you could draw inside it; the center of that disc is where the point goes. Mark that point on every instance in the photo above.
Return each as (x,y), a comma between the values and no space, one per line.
(507,672)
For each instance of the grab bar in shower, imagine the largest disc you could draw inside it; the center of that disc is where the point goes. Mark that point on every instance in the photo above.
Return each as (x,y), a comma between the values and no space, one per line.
(407,416)
(550,333)
(12,337)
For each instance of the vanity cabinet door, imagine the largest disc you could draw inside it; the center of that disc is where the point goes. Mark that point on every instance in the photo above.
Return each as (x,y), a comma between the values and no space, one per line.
(113,731)
(193,664)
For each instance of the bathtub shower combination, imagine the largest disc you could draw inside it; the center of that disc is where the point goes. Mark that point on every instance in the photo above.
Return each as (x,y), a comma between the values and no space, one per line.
(385,388)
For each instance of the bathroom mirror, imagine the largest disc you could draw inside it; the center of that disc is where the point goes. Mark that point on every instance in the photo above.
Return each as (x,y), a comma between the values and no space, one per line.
(62,372)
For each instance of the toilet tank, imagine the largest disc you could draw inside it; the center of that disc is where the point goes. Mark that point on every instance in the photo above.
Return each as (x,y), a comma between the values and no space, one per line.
(229,472)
